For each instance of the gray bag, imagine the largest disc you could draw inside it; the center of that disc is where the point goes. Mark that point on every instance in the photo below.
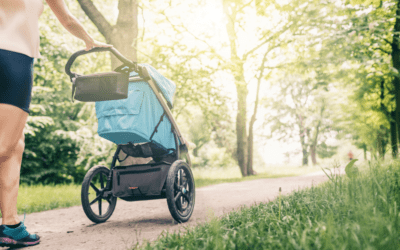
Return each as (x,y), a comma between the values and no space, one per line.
(101,86)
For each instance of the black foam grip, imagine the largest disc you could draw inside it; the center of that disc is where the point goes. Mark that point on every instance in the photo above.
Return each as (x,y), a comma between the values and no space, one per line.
(120,57)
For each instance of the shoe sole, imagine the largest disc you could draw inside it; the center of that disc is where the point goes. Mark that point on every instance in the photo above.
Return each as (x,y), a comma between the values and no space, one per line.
(7,242)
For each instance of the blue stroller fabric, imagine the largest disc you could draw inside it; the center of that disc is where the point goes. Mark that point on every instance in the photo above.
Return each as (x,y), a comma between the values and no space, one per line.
(134,119)
(166,86)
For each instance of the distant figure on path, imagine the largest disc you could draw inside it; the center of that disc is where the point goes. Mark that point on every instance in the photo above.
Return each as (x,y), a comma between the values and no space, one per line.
(350,154)
(19,45)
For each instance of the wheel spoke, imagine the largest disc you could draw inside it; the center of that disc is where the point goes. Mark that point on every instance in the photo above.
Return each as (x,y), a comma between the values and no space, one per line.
(95,188)
(94,201)
(185,183)
(180,177)
(177,196)
(101,181)
(109,201)
(178,202)
(99,206)
(176,186)
(186,197)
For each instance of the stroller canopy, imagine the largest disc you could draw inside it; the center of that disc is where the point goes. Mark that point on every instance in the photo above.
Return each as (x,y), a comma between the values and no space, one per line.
(166,86)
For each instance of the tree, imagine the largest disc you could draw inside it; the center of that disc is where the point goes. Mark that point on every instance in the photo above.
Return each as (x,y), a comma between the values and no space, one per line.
(300,109)
(123,35)
(376,29)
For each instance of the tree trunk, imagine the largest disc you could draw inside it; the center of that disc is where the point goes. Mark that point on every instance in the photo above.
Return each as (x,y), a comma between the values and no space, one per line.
(302,134)
(250,145)
(396,65)
(383,141)
(241,134)
(241,87)
(250,153)
(365,151)
(125,32)
(379,145)
(305,157)
(393,139)
(123,35)
(313,153)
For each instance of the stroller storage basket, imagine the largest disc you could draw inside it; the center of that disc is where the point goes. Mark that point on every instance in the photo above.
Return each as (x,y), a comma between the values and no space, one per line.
(139,181)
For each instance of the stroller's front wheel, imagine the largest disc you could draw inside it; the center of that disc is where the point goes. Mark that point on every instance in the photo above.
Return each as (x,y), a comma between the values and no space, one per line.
(180,191)
(93,194)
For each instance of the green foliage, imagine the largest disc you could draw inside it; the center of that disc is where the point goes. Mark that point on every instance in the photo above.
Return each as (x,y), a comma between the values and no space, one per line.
(50,159)
(326,151)
(375,3)
(351,170)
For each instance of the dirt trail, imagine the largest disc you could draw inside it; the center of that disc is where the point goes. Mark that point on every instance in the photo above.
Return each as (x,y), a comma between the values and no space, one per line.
(69,228)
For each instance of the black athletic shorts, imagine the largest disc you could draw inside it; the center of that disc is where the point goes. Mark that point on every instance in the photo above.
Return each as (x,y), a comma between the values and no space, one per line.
(16,78)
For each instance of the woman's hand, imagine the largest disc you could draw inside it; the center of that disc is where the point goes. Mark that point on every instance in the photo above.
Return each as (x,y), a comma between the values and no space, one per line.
(93,43)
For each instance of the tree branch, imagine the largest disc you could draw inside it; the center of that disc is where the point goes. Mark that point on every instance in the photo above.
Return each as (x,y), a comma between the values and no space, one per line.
(387,52)
(190,33)
(265,42)
(245,5)
(96,17)
(144,21)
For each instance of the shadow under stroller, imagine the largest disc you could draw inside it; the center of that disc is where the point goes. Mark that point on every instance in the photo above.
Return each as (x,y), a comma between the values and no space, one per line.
(142,126)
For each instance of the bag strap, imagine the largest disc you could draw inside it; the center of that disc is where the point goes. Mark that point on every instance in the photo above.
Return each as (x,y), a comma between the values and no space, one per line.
(124,68)
(73,89)
(158,124)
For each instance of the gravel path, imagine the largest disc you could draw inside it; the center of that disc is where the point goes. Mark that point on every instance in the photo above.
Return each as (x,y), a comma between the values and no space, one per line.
(132,222)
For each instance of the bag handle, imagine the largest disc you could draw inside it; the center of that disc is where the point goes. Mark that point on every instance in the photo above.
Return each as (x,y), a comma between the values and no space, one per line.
(127,62)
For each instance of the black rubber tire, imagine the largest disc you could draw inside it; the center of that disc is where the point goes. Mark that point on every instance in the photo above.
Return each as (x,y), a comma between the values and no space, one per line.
(180,201)
(97,172)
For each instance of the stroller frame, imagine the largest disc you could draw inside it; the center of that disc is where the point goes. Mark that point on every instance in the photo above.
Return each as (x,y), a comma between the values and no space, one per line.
(170,178)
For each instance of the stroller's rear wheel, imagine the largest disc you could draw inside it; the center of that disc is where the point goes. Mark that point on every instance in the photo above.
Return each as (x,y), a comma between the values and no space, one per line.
(180,191)
(93,194)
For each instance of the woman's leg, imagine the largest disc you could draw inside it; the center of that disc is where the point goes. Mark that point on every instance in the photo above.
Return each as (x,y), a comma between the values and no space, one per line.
(12,144)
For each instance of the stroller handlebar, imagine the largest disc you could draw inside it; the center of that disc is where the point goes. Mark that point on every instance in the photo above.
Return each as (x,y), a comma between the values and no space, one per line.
(117,54)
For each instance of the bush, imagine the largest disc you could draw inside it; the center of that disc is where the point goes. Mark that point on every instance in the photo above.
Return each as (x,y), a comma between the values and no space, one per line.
(50,158)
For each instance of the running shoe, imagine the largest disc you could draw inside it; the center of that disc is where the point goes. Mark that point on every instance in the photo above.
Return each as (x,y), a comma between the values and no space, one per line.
(17,236)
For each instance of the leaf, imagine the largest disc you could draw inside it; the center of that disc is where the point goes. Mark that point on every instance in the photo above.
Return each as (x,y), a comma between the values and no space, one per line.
(351,170)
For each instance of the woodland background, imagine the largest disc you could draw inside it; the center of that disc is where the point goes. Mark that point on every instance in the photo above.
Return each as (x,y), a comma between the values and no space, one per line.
(315,74)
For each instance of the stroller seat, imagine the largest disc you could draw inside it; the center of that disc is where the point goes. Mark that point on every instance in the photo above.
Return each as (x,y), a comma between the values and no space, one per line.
(144,150)
(139,122)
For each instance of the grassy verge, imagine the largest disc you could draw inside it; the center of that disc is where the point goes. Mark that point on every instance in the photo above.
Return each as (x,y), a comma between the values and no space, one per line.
(38,198)
(344,213)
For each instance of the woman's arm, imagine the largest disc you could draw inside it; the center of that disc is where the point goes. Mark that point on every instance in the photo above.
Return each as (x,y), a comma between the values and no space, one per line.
(72,24)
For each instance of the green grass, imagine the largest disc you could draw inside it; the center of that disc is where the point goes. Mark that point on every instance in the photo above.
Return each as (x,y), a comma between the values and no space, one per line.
(357,213)
(37,198)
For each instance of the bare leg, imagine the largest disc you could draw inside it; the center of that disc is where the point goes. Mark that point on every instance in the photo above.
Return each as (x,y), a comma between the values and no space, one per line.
(12,144)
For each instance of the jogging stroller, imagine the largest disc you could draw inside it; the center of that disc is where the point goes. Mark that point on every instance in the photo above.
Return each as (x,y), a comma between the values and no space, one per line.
(143,127)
